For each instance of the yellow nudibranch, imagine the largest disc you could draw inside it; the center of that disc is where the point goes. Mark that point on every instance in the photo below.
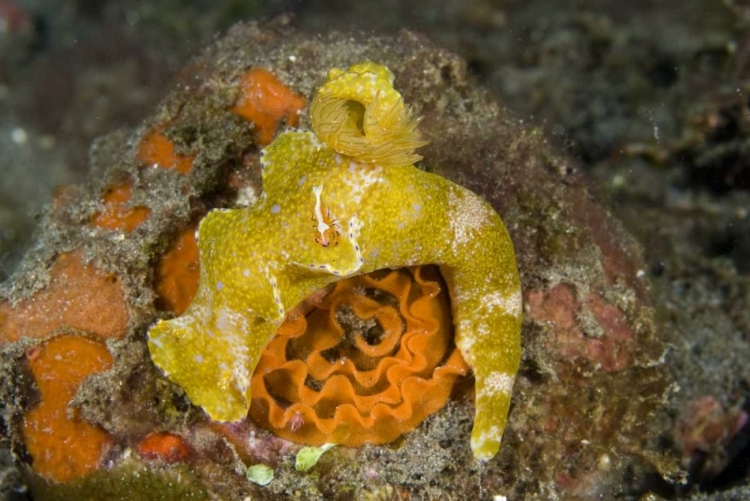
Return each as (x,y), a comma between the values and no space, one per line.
(371,209)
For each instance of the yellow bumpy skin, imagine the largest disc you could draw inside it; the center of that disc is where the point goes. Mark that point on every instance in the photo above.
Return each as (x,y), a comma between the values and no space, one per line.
(345,200)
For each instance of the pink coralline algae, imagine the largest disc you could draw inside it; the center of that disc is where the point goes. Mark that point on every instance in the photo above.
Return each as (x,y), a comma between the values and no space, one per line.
(610,348)
(705,430)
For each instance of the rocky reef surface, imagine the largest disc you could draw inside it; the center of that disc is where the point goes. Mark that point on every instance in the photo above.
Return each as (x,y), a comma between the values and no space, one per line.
(633,366)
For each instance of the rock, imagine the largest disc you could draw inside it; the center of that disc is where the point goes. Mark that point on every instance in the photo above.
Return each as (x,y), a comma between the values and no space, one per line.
(585,413)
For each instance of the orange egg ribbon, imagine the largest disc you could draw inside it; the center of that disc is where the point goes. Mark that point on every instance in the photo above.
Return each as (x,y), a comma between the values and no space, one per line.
(365,364)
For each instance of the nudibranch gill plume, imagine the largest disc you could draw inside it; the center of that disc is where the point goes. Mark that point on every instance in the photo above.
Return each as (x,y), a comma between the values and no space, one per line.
(345,200)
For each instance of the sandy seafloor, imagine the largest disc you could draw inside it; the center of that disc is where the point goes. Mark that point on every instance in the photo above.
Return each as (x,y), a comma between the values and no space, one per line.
(649,99)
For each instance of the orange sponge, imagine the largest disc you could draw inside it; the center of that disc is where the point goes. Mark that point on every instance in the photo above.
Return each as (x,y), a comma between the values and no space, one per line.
(176,273)
(265,101)
(165,447)
(157,149)
(367,363)
(117,215)
(78,295)
(62,445)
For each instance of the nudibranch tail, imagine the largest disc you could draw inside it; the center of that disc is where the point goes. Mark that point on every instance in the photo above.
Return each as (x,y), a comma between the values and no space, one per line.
(358,113)
(487,316)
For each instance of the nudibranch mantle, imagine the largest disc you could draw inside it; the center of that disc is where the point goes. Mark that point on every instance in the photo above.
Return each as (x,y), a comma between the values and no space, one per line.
(348,177)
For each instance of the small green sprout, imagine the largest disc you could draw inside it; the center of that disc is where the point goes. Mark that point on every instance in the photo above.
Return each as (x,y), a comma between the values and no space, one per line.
(308,457)
(260,474)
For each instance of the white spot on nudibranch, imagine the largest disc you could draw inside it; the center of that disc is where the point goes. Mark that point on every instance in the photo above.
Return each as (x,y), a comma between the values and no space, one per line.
(468,213)
(359,179)
(494,434)
(498,382)
(507,302)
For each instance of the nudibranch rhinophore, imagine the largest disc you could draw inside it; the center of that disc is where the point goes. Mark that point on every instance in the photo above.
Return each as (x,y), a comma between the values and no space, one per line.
(345,200)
